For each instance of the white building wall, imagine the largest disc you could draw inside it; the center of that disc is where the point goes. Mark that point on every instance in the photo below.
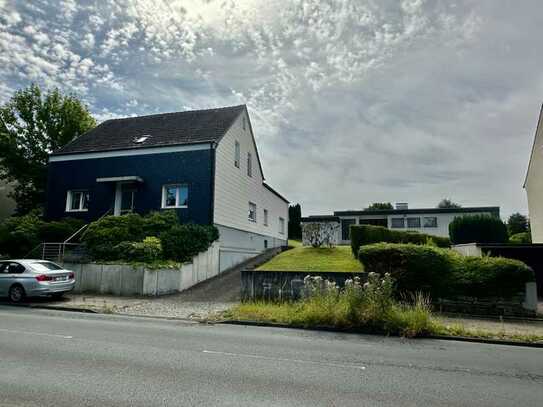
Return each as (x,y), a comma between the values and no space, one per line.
(234,189)
(443,221)
(534,185)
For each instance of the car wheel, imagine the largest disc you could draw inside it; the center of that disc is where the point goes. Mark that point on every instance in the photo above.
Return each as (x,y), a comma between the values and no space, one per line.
(16,293)
(57,296)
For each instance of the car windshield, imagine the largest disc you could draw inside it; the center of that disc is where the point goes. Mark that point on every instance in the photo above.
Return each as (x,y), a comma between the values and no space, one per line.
(45,266)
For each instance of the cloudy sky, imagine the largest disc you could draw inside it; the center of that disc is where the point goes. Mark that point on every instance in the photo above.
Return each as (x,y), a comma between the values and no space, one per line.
(351,101)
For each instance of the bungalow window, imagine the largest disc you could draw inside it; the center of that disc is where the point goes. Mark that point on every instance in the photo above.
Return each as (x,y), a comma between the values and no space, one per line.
(249,165)
(175,196)
(282,226)
(252,212)
(236,154)
(397,223)
(413,222)
(265,217)
(430,222)
(77,201)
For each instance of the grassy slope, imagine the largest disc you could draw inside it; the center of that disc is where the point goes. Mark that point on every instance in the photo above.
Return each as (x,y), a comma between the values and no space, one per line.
(315,259)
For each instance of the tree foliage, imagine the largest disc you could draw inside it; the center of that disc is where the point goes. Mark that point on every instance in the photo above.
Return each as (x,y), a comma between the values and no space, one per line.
(447,203)
(294,222)
(477,229)
(379,206)
(517,223)
(32,125)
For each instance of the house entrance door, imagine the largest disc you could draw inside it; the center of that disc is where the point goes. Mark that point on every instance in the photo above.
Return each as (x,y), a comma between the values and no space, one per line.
(125,198)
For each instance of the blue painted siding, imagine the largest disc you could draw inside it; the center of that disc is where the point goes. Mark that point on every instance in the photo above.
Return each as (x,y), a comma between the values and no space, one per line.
(193,168)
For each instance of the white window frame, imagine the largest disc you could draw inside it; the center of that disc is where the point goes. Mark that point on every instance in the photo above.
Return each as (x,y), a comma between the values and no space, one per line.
(237,154)
(429,217)
(252,205)
(249,164)
(69,200)
(178,188)
(411,219)
(265,217)
(397,227)
(281,225)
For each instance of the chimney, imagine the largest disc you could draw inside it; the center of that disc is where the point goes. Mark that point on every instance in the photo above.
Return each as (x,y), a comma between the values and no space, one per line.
(401,205)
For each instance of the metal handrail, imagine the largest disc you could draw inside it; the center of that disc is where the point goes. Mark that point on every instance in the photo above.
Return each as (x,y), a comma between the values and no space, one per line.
(76,233)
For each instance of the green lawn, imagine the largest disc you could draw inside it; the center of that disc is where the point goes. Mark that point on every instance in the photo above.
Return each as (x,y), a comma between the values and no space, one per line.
(314,259)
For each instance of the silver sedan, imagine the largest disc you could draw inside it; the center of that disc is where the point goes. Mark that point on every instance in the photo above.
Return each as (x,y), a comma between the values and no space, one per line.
(29,278)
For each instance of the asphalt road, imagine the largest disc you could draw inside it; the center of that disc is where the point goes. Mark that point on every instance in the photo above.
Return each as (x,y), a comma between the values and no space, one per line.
(52,358)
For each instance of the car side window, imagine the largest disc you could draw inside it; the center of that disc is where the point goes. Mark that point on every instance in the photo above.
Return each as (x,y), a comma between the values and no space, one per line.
(15,268)
(3,268)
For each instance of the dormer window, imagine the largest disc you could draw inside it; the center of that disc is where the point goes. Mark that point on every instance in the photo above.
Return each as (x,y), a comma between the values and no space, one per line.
(141,139)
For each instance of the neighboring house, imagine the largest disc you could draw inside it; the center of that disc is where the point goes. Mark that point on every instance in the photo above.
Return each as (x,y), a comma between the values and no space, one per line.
(203,164)
(533,183)
(7,205)
(432,221)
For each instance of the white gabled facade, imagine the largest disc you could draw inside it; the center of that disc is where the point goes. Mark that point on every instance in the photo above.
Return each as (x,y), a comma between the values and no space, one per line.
(234,189)
(534,184)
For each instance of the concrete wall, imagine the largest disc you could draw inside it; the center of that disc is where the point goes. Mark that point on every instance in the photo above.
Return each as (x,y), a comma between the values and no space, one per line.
(468,249)
(127,280)
(237,246)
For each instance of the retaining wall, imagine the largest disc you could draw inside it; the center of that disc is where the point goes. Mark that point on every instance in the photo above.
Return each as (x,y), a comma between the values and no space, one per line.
(283,285)
(127,280)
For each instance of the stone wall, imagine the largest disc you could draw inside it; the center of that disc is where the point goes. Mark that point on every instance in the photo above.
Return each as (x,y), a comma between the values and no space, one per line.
(127,280)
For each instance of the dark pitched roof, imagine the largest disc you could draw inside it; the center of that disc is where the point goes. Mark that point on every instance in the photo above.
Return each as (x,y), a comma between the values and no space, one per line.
(320,218)
(165,129)
(495,210)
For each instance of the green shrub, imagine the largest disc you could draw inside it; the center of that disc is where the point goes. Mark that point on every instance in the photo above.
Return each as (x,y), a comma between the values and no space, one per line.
(477,229)
(20,234)
(148,250)
(104,236)
(368,234)
(521,238)
(59,231)
(443,273)
(182,242)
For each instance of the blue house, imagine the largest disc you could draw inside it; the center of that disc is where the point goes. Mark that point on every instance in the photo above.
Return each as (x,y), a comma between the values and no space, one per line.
(203,164)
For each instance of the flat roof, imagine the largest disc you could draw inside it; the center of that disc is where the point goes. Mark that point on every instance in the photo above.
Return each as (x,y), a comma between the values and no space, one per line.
(495,210)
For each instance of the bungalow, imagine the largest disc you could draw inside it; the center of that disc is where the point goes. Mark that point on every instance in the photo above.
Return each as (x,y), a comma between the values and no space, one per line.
(432,221)
(203,164)
(533,183)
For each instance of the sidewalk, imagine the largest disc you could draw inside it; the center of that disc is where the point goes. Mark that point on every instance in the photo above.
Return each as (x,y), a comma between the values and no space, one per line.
(169,306)
(506,327)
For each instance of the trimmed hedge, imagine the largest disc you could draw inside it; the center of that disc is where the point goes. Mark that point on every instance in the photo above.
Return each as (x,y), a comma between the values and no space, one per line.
(443,273)
(103,236)
(368,234)
(130,237)
(477,229)
(182,242)
(521,238)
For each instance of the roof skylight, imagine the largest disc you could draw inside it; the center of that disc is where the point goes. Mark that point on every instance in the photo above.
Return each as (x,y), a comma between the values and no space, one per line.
(141,139)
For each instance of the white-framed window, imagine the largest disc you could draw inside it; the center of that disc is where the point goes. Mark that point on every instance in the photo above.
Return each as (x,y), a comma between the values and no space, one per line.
(249,165)
(175,196)
(265,217)
(281,226)
(430,222)
(252,212)
(237,154)
(413,222)
(397,223)
(77,201)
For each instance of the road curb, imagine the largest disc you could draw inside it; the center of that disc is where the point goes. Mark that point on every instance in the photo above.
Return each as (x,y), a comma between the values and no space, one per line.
(366,332)
(53,307)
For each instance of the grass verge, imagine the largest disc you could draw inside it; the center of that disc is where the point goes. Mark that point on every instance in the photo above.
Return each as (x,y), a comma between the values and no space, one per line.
(402,319)
(311,259)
